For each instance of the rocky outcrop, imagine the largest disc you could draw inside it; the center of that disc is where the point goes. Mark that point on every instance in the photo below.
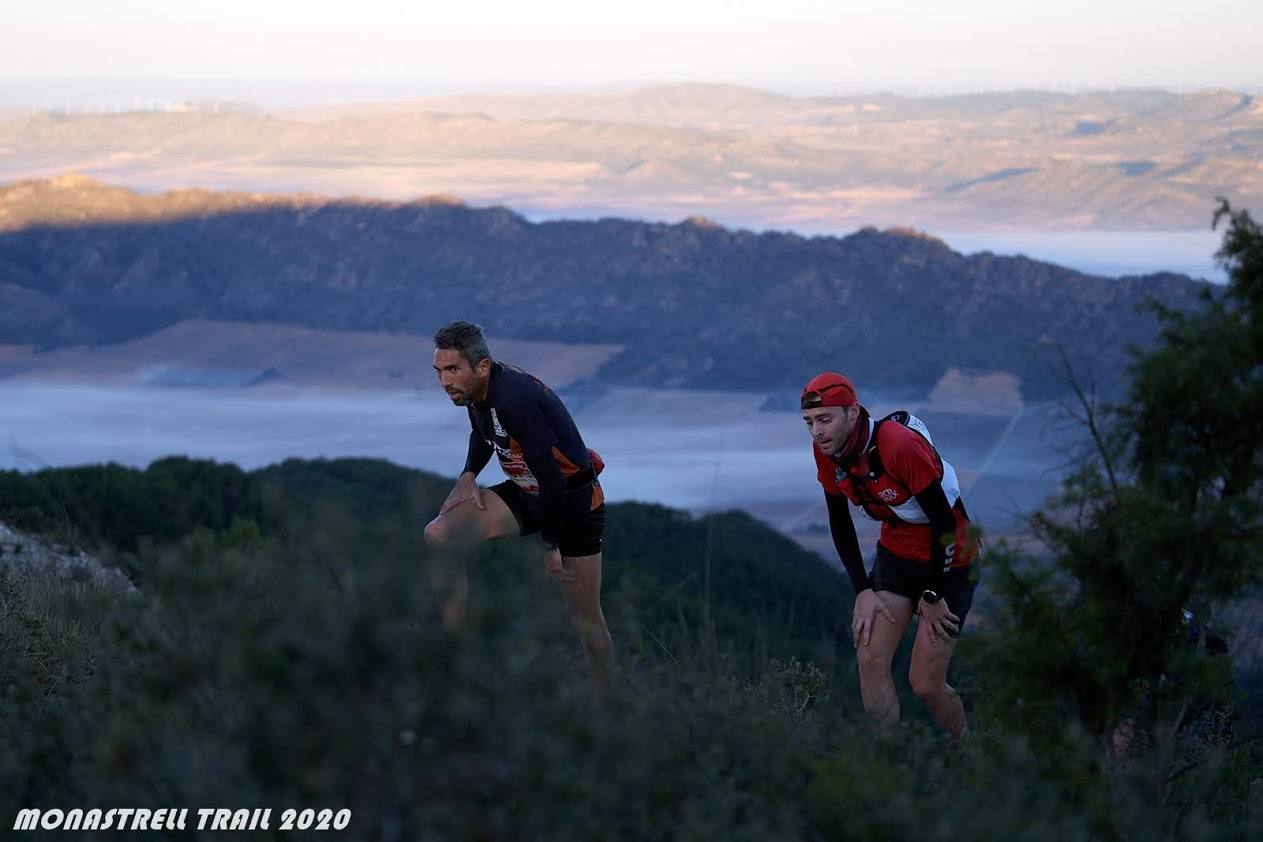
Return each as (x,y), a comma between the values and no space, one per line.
(20,552)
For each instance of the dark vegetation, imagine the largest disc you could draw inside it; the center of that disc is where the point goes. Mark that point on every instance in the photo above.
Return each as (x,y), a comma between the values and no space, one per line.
(281,649)
(764,590)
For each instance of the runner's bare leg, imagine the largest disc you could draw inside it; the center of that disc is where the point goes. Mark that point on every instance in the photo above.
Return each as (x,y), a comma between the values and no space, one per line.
(468,522)
(583,598)
(928,677)
(877,686)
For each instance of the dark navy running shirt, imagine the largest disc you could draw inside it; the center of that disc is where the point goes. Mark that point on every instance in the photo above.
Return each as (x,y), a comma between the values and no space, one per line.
(521,419)
(530,430)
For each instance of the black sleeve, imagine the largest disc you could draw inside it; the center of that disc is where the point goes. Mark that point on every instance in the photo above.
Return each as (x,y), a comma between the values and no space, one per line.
(842,528)
(527,423)
(479,454)
(552,497)
(933,502)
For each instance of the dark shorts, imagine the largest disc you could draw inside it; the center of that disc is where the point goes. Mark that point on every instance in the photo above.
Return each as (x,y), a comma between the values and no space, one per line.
(585,526)
(909,578)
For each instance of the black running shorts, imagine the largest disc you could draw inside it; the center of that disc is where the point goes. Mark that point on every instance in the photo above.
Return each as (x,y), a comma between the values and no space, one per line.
(909,578)
(584,527)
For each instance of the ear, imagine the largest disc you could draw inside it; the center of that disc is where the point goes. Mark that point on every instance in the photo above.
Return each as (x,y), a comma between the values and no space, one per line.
(483,368)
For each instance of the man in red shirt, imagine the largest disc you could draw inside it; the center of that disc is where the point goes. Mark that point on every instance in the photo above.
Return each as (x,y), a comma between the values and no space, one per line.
(892,473)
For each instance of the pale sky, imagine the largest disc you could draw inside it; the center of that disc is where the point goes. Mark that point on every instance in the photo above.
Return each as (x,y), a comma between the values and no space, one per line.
(803,45)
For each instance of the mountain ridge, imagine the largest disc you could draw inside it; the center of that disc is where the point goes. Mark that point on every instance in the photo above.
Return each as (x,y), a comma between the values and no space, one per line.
(693,304)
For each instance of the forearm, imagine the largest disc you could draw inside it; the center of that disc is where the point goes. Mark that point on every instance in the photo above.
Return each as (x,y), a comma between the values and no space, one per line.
(478,456)
(933,502)
(846,542)
(552,497)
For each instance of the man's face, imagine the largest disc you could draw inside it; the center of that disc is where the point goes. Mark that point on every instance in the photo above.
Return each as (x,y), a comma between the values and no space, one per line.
(830,426)
(462,382)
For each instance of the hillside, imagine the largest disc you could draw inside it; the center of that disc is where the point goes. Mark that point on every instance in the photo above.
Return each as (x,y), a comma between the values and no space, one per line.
(692,304)
(763,587)
(298,662)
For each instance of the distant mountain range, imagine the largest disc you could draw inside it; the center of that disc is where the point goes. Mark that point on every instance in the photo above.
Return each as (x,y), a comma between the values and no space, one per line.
(1137,159)
(692,304)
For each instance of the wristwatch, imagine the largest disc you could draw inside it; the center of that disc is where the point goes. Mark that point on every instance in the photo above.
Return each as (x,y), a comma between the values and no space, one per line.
(930,596)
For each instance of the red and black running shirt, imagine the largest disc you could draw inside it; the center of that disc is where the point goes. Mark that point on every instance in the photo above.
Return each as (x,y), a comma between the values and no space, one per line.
(910,464)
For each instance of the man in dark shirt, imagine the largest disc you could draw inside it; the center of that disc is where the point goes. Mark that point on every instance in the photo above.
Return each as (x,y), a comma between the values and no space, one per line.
(552,487)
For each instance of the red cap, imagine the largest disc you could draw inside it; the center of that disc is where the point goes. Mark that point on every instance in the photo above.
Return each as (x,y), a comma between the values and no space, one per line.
(828,389)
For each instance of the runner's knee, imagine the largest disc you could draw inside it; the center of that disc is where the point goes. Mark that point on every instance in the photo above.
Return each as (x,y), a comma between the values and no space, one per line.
(873,659)
(587,624)
(435,533)
(585,613)
(593,634)
(925,684)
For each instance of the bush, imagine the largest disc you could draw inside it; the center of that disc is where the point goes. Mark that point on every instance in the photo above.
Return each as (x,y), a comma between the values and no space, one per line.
(251,671)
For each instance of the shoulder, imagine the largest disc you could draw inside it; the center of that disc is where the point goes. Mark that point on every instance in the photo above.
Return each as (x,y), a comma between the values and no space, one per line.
(517,384)
(518,402)
(893,436)
(907,456)
(904,448)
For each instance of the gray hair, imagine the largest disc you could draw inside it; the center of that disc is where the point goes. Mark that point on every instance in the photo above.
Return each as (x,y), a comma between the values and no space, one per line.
(465,337)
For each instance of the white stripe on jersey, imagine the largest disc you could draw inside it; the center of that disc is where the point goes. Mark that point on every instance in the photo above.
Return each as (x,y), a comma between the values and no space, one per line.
(911,511)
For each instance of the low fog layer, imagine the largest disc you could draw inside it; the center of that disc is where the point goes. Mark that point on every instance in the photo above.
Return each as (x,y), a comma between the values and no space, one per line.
(692,450)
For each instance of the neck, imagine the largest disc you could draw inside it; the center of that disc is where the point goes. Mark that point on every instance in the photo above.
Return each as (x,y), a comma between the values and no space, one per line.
(857,440)
(481,396)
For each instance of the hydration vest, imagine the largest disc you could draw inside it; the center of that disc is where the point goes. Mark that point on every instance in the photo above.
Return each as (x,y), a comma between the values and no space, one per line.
(907,419)
(860,481)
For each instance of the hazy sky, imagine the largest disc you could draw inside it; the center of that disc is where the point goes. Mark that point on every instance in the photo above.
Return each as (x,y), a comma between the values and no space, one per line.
(803,45)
